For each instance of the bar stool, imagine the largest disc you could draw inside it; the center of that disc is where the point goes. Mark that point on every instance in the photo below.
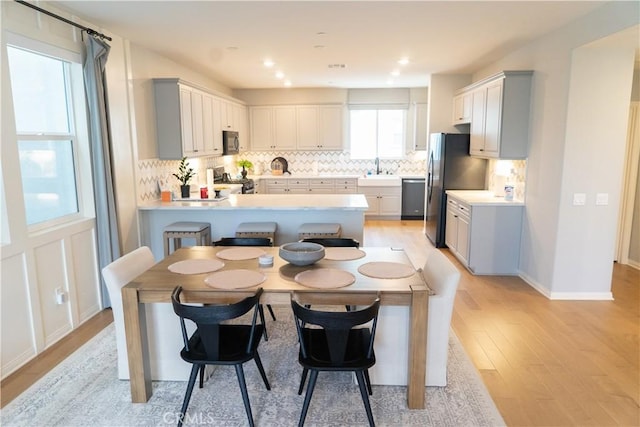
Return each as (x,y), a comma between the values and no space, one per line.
(257,229)
(319,230)
(201,231)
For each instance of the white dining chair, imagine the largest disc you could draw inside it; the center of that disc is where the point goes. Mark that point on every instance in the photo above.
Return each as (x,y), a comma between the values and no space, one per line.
(163,328)
(392,338)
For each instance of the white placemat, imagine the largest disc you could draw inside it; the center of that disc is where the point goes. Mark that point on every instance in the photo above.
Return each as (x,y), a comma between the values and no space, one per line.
(386,270)
(343,254)
(196,266)
(240,253)
(235,279)
(325,278)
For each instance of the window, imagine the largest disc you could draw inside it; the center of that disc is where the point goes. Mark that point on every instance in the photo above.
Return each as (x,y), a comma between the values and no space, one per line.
(42,101)
(377,133)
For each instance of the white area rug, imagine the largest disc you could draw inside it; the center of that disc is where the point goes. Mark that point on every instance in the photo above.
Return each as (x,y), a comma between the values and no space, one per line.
(84,391)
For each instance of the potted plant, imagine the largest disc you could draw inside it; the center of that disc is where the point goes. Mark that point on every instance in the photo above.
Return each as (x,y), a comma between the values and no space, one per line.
(245,164)
(184,175)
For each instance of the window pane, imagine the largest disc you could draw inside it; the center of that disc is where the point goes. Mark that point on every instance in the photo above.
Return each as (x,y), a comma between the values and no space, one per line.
(39,92)
(363,134)
(390,133)
(48,179)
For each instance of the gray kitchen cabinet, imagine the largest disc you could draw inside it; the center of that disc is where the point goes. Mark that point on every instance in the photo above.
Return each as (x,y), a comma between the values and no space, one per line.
(319,127)
(462,108)
(284,128)
(322,185)
(272,128)
(383,201)
(500,108)
(346,185)
(484,237)
(189,120)
(420,126)
(286,185)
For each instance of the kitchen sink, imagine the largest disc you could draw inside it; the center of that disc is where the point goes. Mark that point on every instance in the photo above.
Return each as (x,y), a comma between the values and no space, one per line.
(380,181)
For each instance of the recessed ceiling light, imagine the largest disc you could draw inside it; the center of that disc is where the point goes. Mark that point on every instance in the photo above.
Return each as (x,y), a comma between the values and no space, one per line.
(268,63)
(320,33)
(287,83)
(318,46)
(280,75)
(395,73)
(403,61)
(232,47)
(337,65)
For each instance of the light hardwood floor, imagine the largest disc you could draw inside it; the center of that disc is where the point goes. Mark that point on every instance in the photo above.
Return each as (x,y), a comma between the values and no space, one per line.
(545,363)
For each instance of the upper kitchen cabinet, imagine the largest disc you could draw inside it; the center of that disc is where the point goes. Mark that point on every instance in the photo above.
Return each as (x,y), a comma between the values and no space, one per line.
(500,108)
(291,127)
(189,120)
(272,128)
(462,108)
(319,127)
(420,126)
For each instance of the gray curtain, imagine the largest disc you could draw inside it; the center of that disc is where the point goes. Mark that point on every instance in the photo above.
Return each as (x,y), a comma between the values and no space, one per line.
(97,52)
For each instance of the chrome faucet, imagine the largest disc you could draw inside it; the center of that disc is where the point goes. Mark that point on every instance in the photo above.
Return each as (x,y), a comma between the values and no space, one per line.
(377,166)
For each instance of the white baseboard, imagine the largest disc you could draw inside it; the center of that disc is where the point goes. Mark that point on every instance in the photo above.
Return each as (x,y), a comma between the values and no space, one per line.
(574,296)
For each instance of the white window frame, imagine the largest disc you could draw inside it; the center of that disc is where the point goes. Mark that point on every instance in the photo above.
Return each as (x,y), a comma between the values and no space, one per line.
(78,132)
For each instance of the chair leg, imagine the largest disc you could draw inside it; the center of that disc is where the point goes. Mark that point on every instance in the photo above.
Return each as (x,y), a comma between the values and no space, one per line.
(307,397)
(261,369)
(365,397)
(305,371)
(366,377)
(202,375)
(187,394)
(245,395)
(273,316)
(261,313)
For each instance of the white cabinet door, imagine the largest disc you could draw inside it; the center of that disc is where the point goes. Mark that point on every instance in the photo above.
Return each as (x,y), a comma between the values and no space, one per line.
(462,108)
(463,238)
(212,134)
(451,226)
(186,122)
(390,205)
(307,127)
(477,122)
(493,119)
(261,124)
(284,125)
(331,129)
(420,126)
(243,127)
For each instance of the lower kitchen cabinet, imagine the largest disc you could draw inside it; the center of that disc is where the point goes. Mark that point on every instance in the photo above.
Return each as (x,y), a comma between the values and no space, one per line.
(484,237)
(383,201)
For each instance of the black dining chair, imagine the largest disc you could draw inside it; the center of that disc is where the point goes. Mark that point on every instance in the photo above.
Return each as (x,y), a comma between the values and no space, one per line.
(334,242)
(248,241)
(215,343)
(338,345)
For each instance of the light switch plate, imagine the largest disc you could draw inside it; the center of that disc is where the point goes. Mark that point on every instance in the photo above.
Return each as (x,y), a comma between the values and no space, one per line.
(602,199)
(579,199)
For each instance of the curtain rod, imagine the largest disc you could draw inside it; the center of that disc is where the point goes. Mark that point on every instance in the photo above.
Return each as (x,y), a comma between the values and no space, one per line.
(53,15)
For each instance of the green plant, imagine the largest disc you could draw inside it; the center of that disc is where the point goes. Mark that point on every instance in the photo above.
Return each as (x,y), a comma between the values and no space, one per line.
(244,163)
(185,173)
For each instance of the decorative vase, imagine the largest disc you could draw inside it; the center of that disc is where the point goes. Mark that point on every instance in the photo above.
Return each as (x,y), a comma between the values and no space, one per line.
(185,190)
(244,173)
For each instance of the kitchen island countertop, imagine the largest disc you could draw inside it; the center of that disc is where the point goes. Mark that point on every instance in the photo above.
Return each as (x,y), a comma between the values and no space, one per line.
(266,202)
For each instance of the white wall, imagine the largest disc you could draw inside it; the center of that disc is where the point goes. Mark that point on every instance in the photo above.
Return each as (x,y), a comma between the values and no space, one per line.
(552,166)
(441,91)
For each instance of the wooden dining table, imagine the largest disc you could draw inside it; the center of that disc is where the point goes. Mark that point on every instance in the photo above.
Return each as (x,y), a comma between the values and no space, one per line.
(156,284)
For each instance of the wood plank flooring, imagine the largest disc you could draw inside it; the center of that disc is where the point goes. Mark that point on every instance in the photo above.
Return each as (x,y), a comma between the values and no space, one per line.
(545,363)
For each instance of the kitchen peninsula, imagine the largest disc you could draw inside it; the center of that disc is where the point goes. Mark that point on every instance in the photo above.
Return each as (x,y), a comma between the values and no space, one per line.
(289,211)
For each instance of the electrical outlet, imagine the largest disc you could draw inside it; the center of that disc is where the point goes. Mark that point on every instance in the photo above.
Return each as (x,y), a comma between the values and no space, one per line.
(602,199)
(61,296)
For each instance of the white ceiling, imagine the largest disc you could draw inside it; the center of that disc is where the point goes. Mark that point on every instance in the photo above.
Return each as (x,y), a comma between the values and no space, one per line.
(228,40)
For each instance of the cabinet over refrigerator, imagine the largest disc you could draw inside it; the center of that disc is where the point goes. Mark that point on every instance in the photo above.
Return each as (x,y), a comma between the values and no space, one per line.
(449,167)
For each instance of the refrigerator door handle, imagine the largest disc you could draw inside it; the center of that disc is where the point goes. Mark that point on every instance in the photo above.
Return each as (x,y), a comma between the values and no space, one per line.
(430,177)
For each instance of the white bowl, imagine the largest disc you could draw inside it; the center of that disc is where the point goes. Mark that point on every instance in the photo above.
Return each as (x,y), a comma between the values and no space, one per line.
(301,253)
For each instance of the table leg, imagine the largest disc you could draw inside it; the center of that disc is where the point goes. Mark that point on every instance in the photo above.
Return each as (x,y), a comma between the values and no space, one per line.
(137,348)
(417,347)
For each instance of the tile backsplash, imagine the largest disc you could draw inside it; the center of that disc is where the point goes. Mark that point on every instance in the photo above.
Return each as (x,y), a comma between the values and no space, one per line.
(503,172)
(153,173)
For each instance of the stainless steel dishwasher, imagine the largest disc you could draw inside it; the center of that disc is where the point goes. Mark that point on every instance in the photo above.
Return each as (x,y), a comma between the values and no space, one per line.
(413,198)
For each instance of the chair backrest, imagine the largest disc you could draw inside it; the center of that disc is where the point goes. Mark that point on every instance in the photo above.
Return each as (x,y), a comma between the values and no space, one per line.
(116,275)
(243,241)
(337,326)
(333,242)
(209,317)
(441,275)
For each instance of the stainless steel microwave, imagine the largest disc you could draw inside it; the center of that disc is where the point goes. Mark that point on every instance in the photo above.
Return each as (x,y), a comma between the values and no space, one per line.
(230,142)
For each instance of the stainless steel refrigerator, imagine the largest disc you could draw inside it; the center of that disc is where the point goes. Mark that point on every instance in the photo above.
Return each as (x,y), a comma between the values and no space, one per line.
(449,167)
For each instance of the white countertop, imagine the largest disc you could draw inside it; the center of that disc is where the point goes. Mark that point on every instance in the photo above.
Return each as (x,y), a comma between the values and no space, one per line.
(268,202)
(322,175)
(482,197)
